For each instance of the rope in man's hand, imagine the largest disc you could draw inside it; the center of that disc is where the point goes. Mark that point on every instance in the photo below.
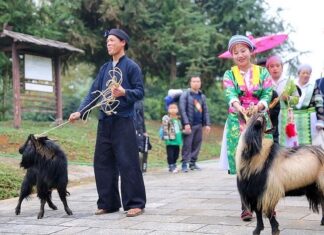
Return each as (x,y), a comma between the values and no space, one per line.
(107,100)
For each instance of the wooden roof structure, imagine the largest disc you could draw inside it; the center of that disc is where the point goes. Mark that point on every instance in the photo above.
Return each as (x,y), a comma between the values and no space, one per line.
(19,43)
(34,44)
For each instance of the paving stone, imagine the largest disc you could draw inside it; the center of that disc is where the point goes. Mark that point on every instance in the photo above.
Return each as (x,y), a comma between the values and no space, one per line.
(157,218)
(101,223)
(174,233)
(6,219)
(29,229)
(159,211)
(313,216)
(301,224)
(216,220)
(300,232)
(228,230)
(73,230)
(114,231)
(195,203)
(175,227)
(35,221)
(200,212)
(111,216)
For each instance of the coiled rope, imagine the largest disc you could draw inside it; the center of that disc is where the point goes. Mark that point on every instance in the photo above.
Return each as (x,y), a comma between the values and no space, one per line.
(107,101)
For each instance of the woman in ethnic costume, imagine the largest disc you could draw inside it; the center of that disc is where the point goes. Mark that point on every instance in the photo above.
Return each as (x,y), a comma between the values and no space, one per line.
(288,96)
(247,86)
(309,113)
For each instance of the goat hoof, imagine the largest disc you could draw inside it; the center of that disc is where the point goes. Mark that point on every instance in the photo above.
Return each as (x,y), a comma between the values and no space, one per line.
(40,215)
(276,232)
(68,211)
(53,207)
(256,232)
(17,211)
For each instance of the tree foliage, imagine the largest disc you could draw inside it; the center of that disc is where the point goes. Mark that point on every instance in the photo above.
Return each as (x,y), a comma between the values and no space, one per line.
(169,39)
(232,17)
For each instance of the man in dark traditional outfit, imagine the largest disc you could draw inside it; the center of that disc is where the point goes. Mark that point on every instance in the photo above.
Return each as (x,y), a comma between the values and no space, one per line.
(116,152)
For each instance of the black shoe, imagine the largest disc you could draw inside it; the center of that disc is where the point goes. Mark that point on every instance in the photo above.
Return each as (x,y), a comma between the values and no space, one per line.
(170,168)
(184,167)
(193,166)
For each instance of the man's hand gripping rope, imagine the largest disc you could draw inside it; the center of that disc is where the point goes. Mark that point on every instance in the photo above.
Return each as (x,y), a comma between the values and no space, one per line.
(108,99)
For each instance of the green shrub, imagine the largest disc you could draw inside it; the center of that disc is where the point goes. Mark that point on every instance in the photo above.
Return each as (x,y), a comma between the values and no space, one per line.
(38,117)
(154,108)
(70,105)
(10,181)
(217,106)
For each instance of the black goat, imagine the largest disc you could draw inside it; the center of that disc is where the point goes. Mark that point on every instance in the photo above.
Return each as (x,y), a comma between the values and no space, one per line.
(46,166)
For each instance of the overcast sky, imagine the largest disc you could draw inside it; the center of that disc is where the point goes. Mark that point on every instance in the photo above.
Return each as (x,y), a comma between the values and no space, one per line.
(307,18)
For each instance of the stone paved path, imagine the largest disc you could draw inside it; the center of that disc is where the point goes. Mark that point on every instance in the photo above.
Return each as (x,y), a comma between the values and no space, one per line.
(197,202)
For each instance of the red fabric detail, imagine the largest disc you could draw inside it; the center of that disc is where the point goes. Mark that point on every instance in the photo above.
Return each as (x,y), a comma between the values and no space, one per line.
(247,100)
(291,130)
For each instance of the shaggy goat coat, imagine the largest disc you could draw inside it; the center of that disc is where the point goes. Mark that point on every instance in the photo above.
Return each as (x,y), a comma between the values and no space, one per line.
(46,166)
(267,172)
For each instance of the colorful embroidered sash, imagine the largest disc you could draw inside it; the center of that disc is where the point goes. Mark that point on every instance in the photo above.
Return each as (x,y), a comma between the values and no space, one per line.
(247,99)
(240,79)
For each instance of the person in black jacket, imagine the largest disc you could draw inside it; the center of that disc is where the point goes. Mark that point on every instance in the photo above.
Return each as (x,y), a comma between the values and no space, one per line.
(116,151)
(194,116)
(320,85)
(141,134)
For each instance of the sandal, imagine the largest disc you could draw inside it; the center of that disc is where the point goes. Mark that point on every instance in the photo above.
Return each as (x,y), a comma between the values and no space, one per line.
(134,212)
(100,212)
(103,211)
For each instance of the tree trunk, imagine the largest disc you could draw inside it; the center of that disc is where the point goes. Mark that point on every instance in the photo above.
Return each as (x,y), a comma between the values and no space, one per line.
(173,67)
(58,90)
(16,86)
(2,98)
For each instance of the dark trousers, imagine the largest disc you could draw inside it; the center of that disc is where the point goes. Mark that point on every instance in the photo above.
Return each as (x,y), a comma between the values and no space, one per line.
(274,115)
(116,154)
(172,153)
(191,144)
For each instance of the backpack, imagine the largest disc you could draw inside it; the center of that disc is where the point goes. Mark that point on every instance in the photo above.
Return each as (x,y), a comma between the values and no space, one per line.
(172,97)
(167,129)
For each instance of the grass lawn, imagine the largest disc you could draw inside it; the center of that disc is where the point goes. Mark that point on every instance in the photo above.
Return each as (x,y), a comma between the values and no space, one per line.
(78,141)
(10,181)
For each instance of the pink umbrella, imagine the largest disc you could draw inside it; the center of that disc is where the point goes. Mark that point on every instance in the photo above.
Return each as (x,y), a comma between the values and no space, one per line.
(261,44)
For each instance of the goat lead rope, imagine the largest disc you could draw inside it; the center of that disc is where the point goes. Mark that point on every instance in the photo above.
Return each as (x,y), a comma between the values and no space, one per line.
(62,124)
(107,99)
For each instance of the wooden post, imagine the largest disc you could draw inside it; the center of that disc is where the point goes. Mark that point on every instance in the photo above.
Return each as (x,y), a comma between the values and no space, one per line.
(16,85)
(58,92)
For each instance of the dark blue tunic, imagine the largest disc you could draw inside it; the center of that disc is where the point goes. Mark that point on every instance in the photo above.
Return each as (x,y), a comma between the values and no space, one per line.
(132,83)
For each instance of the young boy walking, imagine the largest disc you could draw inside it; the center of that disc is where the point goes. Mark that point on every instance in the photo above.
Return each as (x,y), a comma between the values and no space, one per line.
(172,135)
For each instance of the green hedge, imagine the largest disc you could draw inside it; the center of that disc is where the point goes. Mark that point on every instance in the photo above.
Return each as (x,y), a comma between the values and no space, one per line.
(10,181)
